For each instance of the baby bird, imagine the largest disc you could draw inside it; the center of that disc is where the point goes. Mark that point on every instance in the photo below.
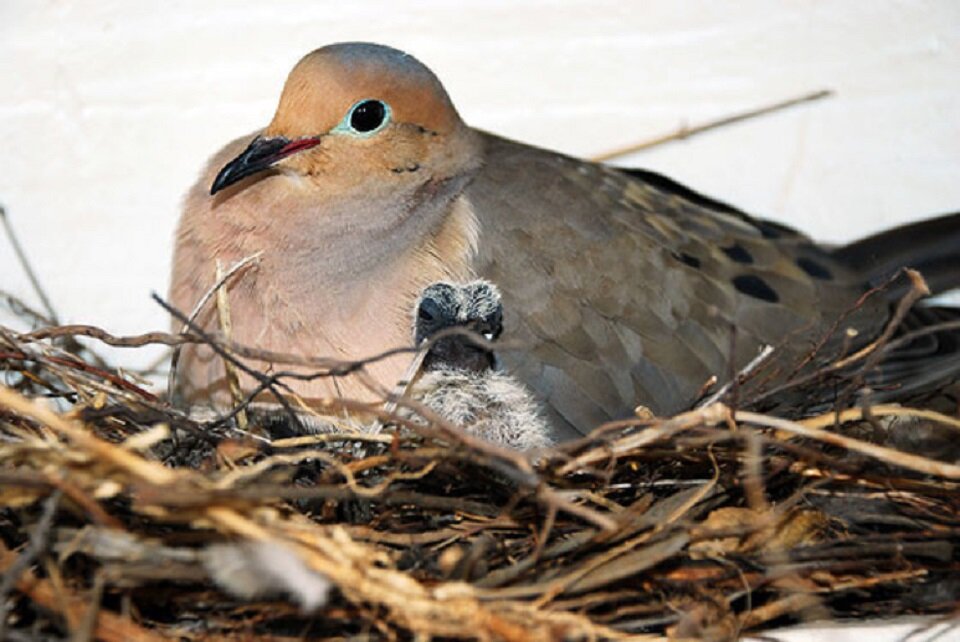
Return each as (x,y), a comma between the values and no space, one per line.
(460,381)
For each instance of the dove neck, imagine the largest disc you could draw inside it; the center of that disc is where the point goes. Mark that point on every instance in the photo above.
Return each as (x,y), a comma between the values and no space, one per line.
(435,240)
(354,242)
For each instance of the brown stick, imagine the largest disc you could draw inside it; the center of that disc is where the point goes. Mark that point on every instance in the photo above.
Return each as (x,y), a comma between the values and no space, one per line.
(888,455)
(686,132)
(27,268)
(108,626)
(85,367)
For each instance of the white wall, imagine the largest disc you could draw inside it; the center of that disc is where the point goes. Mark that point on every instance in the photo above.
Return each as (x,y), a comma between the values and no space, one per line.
(109,109)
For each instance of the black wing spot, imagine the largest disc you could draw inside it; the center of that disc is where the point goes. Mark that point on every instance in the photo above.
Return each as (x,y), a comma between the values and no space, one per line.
(754,286)
(738,253)
(771,230)
(814,269)
(689,259)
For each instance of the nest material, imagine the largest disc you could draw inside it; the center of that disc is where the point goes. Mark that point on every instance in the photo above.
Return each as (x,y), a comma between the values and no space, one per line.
(121,518)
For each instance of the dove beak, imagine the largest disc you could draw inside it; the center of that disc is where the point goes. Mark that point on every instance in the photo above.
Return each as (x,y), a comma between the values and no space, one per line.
(260,155)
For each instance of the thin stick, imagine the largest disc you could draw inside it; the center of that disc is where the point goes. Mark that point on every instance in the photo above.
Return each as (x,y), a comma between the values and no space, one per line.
(151,472)
(38,544)
(110,627)
(19,308)
(87,626)
(829,419)
(25,264)
(765,352)
(175,358)
(226,327)
(405,382)
(133,341)
(918,290)
(236,267)
(686,132)
(916,463)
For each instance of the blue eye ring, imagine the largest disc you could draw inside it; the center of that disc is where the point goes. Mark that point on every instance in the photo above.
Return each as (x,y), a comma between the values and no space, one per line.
(365,118)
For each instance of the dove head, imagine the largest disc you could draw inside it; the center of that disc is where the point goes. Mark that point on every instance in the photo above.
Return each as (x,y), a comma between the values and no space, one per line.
(359,118)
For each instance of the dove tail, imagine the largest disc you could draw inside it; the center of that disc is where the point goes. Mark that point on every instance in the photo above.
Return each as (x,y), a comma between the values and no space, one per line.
(932,247)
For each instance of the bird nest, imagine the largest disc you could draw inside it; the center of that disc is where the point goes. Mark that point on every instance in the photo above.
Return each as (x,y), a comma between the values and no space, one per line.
(121,518)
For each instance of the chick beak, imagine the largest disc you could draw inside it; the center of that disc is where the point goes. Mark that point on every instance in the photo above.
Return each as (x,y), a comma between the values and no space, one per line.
(459,352)
(260,155)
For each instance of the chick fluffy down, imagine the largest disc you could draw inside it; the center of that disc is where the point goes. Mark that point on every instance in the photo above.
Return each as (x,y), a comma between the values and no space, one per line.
(491,405)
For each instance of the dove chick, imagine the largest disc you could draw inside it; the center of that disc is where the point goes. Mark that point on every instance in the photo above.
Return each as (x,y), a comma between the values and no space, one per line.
(460,381)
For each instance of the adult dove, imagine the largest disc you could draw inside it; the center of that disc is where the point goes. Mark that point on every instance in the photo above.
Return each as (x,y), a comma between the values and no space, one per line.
(623,287)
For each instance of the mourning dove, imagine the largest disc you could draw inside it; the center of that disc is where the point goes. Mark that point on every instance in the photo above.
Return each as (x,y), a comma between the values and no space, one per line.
(460,381)
(624,287)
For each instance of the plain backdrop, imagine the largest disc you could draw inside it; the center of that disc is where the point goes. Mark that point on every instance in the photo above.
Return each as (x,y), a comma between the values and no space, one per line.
(110,108)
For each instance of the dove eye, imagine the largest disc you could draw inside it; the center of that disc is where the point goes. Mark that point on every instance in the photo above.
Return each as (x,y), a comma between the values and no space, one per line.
(429,311)
(425,314)
(367,117)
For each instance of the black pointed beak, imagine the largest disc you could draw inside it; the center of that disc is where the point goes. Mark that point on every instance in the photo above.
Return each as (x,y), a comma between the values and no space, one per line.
(261,154)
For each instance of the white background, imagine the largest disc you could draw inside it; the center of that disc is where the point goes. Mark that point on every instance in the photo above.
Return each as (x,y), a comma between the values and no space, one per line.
(109,109)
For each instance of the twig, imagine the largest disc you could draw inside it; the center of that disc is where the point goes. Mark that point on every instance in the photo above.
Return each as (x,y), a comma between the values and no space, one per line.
(815,351)
(686,132)
(878,346)
(794,603)
(134,341)
(84,501)
(918,290)
(84,367)
(407,379)
(765,352)
(829,419)
(25,264)
(265,491)
(909,461)
(336,367)
(87,625)
(706,416)
(20,308)
(313,440)
(186,323)
(226,327)
(150,471)
(109,627)
(270,384)
(913,335)
(35,547)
